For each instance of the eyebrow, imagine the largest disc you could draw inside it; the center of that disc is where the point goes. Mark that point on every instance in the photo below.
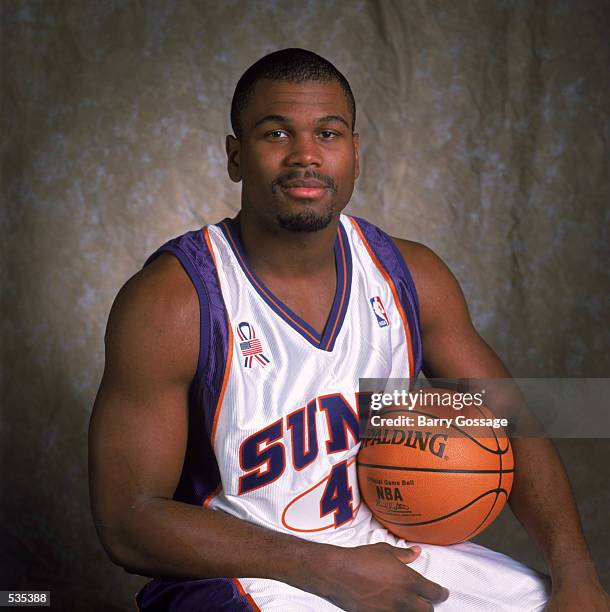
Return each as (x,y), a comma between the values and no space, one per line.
(329,118)
(284,119)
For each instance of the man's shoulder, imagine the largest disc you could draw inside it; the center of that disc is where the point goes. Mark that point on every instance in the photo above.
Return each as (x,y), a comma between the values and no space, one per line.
(162,279)
(160,297)
(420,259)
(437,288)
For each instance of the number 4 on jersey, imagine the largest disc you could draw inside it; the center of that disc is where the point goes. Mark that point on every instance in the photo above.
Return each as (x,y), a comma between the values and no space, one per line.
(338,496)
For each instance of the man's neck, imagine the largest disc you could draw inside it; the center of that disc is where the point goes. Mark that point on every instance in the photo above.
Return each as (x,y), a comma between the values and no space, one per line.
(281,252)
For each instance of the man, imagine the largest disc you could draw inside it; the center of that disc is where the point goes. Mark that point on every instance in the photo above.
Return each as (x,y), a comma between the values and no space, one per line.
(223,437)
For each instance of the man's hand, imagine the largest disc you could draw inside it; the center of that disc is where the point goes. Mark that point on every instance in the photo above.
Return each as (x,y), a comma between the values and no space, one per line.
(375,577)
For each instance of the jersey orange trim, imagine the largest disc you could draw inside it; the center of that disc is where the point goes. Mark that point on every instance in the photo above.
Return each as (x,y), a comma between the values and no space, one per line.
(212,495)
(390,282)
(243,593)
(225,379)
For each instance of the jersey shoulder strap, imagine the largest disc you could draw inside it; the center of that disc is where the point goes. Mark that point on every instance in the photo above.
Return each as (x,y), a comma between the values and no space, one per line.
(200,475)
(383,248)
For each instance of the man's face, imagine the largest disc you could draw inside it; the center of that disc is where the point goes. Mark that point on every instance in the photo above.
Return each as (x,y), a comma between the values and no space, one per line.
(297,156)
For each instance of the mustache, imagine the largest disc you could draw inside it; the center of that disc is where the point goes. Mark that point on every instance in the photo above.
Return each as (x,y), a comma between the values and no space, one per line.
(326,180)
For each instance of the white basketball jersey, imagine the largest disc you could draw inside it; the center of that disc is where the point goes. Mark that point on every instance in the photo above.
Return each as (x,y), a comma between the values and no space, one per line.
(285,434)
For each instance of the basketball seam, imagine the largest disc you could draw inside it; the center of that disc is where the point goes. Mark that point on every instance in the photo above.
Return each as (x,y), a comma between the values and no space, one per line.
(441,470)
(479,526)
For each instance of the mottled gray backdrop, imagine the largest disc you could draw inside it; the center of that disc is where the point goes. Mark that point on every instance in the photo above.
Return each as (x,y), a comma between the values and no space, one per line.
(485,130)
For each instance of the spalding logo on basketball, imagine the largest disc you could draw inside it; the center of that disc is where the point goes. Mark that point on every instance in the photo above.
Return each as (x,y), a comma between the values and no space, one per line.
(432,482)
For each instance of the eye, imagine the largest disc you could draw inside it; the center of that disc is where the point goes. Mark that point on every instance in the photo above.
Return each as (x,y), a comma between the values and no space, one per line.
(276,134)
(328,135)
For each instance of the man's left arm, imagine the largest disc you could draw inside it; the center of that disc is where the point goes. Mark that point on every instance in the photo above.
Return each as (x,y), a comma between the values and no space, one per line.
(541,496)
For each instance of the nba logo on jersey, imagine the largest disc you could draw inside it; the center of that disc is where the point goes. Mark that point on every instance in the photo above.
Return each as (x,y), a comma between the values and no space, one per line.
(379,310)
(250,346)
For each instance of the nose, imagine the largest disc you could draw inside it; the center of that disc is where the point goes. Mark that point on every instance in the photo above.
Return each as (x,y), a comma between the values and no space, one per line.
(304,152)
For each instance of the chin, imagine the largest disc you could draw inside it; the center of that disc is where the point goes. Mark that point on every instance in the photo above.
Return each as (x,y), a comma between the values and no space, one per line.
(306,220)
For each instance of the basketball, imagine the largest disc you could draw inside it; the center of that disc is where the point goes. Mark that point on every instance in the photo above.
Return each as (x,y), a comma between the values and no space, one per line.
(435,474)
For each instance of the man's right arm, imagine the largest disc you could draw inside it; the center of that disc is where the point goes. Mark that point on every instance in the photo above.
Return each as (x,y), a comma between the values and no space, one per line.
(137,442)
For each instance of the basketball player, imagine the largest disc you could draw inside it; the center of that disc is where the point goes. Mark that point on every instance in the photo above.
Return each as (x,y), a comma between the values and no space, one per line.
(224,433)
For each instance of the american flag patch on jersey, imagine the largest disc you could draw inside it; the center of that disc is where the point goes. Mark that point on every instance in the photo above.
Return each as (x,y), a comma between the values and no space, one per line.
(250,346)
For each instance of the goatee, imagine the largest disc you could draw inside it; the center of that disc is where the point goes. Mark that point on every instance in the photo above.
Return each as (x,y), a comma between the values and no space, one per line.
(306,221)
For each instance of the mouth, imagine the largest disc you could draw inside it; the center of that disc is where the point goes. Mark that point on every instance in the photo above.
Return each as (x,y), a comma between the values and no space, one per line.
(304,189)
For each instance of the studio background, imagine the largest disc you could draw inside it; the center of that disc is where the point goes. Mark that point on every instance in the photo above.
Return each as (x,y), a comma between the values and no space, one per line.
(484,128)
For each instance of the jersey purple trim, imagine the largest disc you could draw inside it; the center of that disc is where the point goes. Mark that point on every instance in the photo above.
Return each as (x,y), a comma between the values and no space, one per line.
(211,595)
(200,474)
(343,258)
(394,264)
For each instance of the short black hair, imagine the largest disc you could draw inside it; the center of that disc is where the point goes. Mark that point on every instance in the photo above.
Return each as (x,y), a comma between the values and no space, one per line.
(294,65)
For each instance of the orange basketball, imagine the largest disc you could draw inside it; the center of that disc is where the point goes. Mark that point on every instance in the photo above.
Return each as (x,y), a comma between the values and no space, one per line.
(433,481)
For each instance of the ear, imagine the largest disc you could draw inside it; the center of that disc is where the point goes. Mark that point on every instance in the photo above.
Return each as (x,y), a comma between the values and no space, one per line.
(356,139)
(233,148)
